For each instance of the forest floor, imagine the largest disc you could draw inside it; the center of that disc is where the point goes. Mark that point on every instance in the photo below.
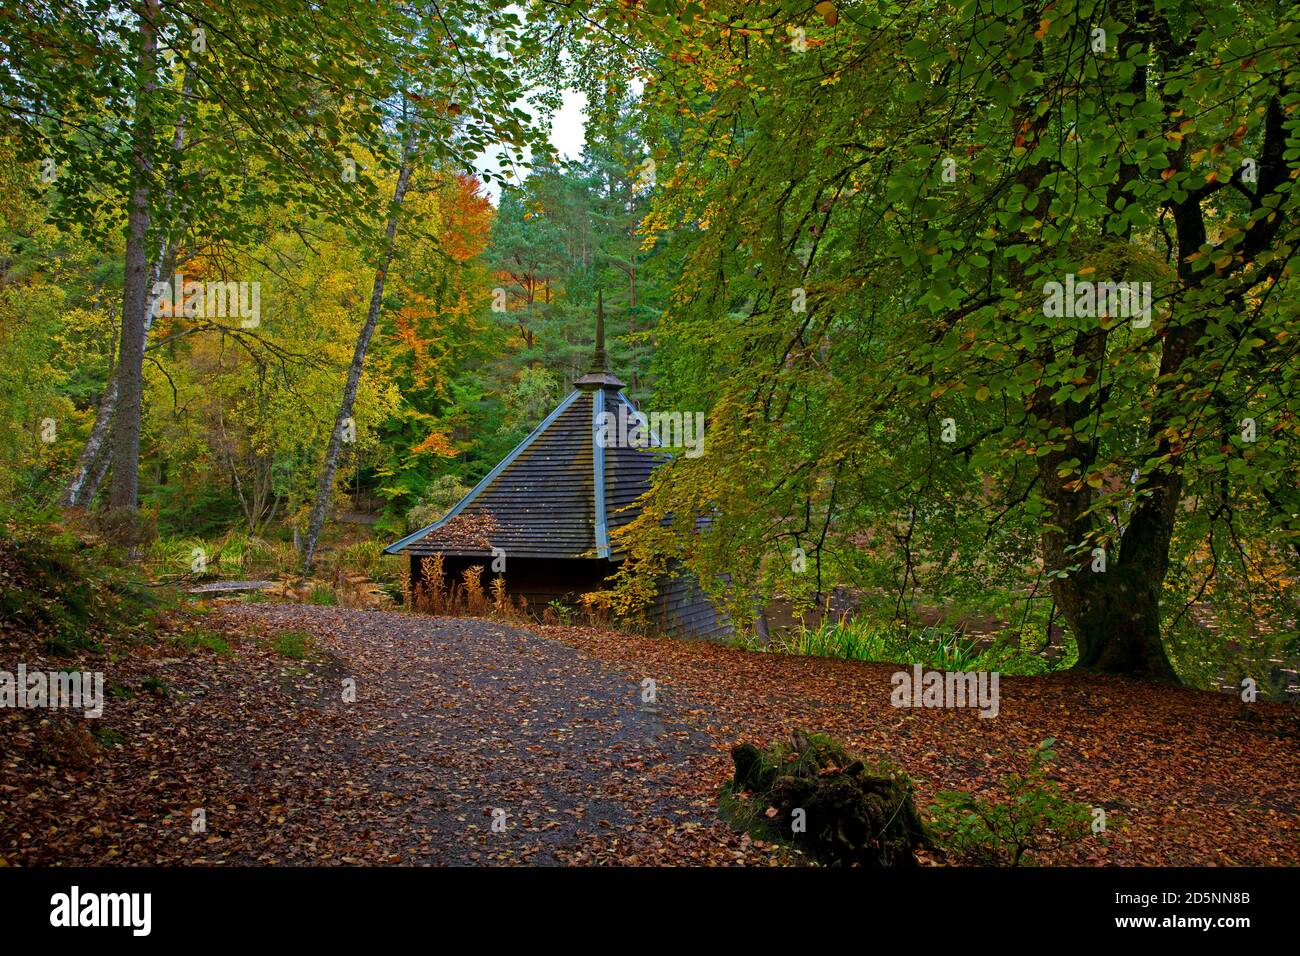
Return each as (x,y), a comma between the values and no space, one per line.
(454,719)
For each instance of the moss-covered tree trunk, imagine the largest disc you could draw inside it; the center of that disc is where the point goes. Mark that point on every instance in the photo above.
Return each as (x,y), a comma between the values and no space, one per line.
(1116,622)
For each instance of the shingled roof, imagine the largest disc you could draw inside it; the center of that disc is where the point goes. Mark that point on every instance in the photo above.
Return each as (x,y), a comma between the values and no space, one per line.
(559,494)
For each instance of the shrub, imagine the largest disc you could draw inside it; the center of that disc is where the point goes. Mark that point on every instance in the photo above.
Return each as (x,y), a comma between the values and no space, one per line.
(557,612)
(430,593)
(296,645)
(475,599)
(209,640)
(129,528)
(1031,816)
(815,795)
(322,594)
(440,497)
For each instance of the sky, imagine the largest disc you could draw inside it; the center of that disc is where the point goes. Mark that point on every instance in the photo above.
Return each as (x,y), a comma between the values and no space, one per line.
(567,135)
(568,132)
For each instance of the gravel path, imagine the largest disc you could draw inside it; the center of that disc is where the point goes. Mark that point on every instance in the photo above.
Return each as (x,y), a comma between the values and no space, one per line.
(465,723)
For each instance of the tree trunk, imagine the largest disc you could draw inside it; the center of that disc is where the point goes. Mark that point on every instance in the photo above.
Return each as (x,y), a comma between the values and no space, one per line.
(84,480)
(325,486)
(92,463)
(1116,620)
(100,470)
(124,486)
(1110,601)
(1113,613)
(78,489)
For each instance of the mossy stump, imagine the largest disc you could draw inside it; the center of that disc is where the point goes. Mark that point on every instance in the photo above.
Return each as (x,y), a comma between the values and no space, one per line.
(825,801)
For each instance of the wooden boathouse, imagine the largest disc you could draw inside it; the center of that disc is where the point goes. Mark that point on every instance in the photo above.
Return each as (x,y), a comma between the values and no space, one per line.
(549,508)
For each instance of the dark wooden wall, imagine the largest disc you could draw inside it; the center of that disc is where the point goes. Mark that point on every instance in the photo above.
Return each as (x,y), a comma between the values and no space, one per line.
(680,609)
(541,580)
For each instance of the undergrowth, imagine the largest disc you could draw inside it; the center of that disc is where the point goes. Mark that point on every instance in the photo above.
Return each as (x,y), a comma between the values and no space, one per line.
(939,647)
(70,588)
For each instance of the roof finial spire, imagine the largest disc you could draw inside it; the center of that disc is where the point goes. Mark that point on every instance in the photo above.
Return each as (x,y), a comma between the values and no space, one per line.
(599,375)
(599,360)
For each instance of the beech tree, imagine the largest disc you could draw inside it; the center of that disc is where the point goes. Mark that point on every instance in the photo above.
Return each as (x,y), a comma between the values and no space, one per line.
(888,203)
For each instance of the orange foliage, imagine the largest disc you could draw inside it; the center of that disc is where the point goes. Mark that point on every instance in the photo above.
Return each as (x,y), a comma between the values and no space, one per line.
(438,444)
(467,220)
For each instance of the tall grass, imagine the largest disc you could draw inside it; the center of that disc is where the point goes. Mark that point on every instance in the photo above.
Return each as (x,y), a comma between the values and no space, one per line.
(236,554)
(361,557)
(939,648)
(435,591)
(233,555)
